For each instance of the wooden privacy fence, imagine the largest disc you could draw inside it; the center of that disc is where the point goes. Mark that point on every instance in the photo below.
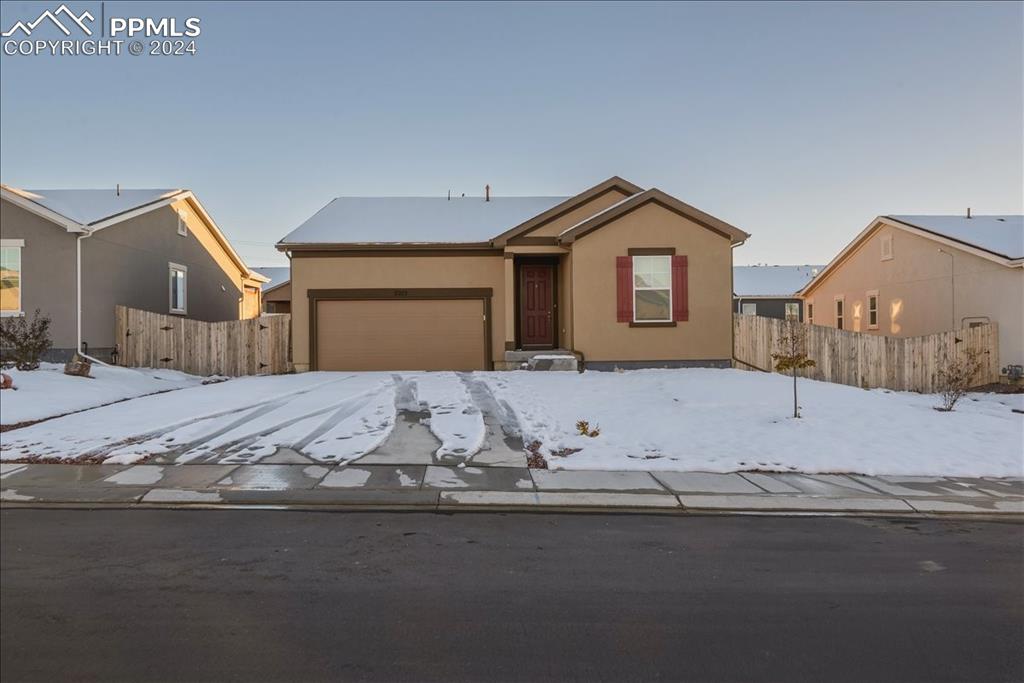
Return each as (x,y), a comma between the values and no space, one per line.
(257,346)
(868,360)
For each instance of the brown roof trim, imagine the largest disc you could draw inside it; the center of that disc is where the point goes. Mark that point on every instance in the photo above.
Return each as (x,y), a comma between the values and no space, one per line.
(550,241)
(376,251)
(666,201)
(612,184)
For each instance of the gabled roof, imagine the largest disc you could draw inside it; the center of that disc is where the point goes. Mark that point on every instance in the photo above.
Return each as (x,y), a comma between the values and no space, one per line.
(771,281)
(1000,235)
(667,201)
(277,276)
(414,220)
(86,207)
(87,211)
(615,183)
(992,237)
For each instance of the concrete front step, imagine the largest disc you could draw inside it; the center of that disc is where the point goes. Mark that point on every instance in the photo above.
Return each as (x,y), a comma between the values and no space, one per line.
(546,359)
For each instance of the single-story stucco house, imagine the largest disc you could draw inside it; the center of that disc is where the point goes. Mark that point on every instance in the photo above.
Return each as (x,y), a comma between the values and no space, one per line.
(771,291)
(76,254)
(277,291)
(616,275)
(905,276)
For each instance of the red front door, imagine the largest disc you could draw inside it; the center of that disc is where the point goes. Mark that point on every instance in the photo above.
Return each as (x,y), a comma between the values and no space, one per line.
(537,305)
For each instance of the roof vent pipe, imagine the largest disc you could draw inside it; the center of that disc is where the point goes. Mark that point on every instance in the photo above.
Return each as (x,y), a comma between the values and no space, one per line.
(968,212)
(449,195)
(118,189)
(487,193)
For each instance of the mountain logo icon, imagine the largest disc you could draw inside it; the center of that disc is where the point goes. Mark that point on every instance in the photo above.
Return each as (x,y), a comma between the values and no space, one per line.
(54,17)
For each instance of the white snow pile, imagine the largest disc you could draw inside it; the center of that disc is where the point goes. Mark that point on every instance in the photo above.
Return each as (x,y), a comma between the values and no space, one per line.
(729,420)
(48,392)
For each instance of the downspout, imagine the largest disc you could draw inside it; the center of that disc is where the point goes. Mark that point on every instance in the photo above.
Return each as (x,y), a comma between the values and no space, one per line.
(78,317)
(732,290)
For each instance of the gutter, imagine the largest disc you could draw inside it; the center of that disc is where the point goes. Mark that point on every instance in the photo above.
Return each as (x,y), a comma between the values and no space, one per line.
(78,286)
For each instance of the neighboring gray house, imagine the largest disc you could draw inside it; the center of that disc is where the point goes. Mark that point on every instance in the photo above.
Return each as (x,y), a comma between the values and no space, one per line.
(76,254)
(770,291)
(277,293)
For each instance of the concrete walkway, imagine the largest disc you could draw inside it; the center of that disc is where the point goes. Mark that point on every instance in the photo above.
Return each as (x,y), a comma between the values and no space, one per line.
(438,486)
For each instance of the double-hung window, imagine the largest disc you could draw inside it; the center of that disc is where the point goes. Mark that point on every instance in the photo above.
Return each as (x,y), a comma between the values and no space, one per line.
(652,289)
(872,310)
(178,288)
(839,313)
(10,277)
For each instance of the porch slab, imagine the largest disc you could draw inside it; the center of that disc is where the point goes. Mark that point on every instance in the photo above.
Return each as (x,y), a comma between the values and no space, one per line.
(374,477)
(569,480)
(274,477)
(478,478)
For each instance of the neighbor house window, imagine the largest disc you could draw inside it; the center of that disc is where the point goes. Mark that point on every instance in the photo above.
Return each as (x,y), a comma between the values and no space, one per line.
(886,247)
(872,310)
(182,224)
(10,277)
(810,312)
(792,311)
(749,309)
(652,288)
(839,313)
(178,288)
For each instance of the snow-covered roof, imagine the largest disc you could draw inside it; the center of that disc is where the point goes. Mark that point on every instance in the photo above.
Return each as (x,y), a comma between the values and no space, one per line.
(1001,235)
(416,220)
(780,281)
(92,206)
(278,276)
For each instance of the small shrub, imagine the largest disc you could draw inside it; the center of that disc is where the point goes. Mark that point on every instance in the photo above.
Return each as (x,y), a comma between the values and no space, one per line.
(23,341)
(583,427)
(956,376)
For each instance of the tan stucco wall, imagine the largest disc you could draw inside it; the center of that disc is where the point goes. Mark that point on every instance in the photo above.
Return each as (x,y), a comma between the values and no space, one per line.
(282,293)
(915,291)
(707,335)
(578,214)
(393,272)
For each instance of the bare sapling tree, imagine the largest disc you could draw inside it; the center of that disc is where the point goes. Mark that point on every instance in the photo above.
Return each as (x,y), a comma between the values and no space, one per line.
(956,376)
(791,354)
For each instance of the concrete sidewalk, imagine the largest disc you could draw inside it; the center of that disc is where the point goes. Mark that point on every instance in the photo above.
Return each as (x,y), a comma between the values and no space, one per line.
(425,486)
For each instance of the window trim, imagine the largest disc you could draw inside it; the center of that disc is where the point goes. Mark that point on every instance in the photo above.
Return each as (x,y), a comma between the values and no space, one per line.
(182,223)
(744,304)
(887,250)
(18,244)
(872,294)
(840,318)
(171,268)
(809,311)
(785,313)
(660,321)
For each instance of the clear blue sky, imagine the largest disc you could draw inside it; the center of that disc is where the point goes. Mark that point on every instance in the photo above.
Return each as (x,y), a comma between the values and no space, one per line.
(797,122)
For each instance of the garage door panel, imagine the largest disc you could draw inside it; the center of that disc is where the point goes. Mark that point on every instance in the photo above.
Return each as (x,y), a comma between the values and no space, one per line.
(383,334)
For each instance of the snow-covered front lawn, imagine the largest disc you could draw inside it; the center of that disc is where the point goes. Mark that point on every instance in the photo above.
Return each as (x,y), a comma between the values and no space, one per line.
(687,420)
(47,392)
(729,420)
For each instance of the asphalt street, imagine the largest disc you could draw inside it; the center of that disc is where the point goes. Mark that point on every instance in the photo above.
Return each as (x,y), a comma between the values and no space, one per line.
(260,595)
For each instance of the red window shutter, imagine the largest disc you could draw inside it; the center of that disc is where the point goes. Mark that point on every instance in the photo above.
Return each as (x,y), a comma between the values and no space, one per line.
(680,287)
(624,279)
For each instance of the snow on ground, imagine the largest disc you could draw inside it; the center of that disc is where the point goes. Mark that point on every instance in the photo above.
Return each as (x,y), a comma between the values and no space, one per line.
(728,420)
(334,415)
(48,392)
(454,418)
